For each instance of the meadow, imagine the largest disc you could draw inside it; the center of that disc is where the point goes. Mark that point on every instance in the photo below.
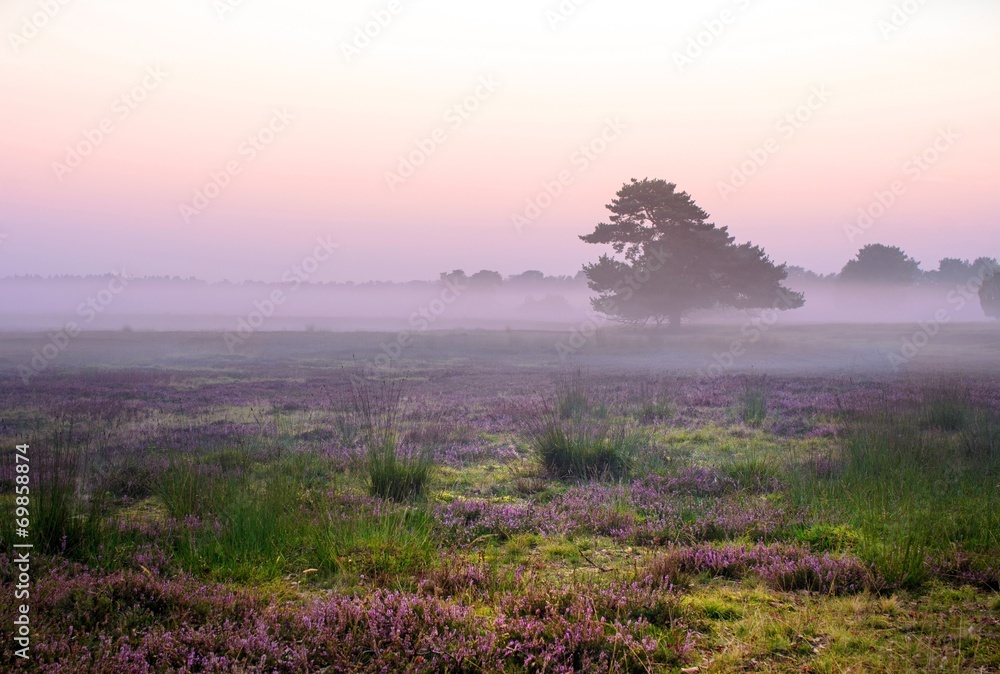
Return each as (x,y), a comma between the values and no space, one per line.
(484,505)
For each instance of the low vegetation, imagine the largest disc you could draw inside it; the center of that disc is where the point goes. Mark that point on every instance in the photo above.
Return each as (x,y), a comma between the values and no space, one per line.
(603,524)
(394,472)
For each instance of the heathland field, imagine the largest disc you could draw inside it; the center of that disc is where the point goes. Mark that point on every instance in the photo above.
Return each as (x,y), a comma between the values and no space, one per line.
(642,504)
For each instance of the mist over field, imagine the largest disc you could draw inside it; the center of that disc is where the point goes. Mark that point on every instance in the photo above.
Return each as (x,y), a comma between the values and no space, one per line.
(555,304)
(521,337)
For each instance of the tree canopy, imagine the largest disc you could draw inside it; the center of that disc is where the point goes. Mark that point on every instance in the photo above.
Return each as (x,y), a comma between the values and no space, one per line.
(877,263)
(486,279)
(672,261)
(989,292)
(953,270)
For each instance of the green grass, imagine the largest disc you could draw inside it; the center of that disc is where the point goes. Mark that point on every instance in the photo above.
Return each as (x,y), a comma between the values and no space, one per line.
(753,402)
(188,488)
(578,439)
(775,632)
(572,399)
(910,489)
(572,403)
(946,412)
(395,476)
(980,439)
(229,514)
(752,471)
(655,410)
(65,515)
(260,525)
(392,472)
(585,451)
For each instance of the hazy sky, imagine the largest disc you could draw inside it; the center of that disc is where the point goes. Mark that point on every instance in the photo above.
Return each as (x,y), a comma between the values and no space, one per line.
(114,112)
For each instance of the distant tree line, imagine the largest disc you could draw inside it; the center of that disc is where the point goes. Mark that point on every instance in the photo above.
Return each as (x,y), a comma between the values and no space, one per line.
(666,260)
(878,263)
(486,279)
(481,279)
(890,267)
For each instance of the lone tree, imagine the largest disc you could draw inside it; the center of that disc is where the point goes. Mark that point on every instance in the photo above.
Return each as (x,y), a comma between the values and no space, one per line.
(674,261)
(876,263)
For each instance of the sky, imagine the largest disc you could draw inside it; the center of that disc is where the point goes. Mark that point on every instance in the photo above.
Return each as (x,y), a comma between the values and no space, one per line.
(223,139)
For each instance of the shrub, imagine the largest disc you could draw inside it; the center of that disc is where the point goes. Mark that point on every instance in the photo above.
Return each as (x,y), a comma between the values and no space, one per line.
(654,402)
(395,474)
(392,472)
(899,558)
(584,450)
(64,520)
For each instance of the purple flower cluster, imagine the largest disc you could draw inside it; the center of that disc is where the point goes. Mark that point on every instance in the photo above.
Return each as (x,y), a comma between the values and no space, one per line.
(456,576)
(467,520)
(459,455)
(965,569)
(134,622)
(782,567)
(697,504)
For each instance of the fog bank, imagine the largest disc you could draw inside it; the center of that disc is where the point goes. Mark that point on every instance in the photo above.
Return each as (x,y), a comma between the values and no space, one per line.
(113,303)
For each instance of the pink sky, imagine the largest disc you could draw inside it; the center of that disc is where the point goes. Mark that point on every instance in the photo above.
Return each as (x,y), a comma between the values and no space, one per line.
(892,83)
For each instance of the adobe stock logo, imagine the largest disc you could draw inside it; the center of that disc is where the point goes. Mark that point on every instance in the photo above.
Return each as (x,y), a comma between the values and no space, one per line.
(421,321)
(292,279)
(625,290)
(581,160)
(249,149)
(787,126)
(563,12)
(914,169)
(711,32)
(454,118)
(752,331)
(32,25)
(88,310)
(899,17)
(366,33)
(121,109)
(224,7)
(962,295)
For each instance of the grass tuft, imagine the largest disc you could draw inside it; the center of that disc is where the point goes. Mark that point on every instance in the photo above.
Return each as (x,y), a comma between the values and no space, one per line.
(753,402)
(572,401)
(945,410)
(393,472)
(585,450)
(65,520)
